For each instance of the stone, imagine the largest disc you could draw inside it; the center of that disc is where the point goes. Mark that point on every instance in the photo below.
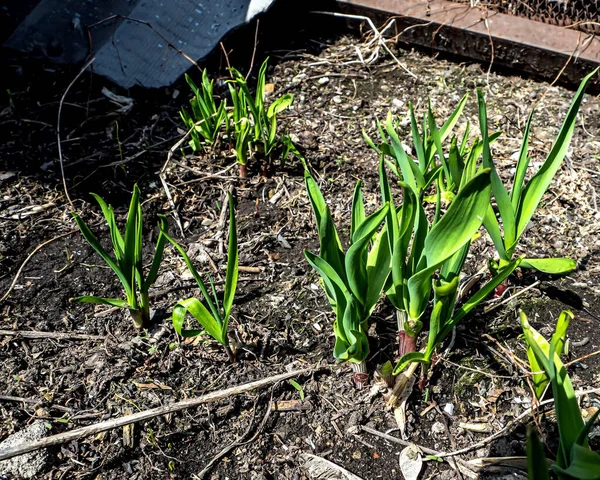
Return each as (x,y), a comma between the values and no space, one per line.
(28,465)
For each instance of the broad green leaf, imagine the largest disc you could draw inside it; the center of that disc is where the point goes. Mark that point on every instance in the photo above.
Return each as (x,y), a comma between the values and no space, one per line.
(331,247)
(358,343)
(114,302)
(407,359)
(460,222)
(280,104)
(378,269)
(584,464)
(490,222)
(537,466)
(557,266)
(540,380)
(204,318)
(355,262)
(337,291)
(539,183)
(455,163)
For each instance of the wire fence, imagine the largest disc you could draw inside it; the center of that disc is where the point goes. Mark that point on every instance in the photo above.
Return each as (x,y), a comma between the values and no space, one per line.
(582,15)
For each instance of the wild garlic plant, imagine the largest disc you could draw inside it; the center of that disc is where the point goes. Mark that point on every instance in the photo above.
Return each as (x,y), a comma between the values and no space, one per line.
(214,319)
(127,262)
(265,138)
(352,280)
(428,257)
(517,206)
(574,458)
(422,171)
(208,118)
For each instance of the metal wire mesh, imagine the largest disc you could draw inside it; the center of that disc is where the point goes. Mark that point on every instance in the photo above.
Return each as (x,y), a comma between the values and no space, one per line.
(583,15)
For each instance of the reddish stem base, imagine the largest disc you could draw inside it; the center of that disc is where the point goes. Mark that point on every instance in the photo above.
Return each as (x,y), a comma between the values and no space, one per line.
(406,343)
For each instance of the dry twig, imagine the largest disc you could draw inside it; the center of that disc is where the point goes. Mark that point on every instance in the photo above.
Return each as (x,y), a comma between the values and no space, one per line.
(146,415)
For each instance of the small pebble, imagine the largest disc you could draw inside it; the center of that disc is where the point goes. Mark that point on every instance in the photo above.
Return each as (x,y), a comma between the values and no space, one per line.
(323,80)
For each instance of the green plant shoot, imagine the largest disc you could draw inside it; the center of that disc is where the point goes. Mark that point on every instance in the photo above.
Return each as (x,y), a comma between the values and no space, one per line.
(207,118)
(214,319)
(574,458)
(353,281)
(516,208)
(127,263)
(260,135)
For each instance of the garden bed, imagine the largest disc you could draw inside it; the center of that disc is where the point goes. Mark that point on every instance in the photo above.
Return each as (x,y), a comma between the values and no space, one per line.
(281,319)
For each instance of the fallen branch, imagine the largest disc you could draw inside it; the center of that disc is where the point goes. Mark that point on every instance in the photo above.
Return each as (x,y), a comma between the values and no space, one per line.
(146,415)
(52,335)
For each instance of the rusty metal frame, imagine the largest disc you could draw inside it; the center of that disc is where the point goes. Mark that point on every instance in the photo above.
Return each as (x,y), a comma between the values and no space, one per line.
(475,32)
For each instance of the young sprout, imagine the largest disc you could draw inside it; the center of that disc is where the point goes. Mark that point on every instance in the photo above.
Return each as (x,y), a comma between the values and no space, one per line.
(127,264)
(574,458)
(353,280)
(214,319)
(516,208)
(258,132)
(207,118)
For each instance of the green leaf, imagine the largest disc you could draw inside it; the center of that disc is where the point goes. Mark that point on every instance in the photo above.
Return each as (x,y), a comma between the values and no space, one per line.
(358,210)
(568,414)
(537,466)
(473,301)
(212,326)
(231,276)
(355,262)
(417,140)
(335,287)
(158,254)
(584,464)
(490,222)
(280,104)
(507,213)
(407,359)
(522,164)
(378,269)
(298,387)
(537,186)
(437,141)
(95,244)
(453,118)
(557,266)
(410,172)
(331,247)
(113,302)
(461,221)
(213,308)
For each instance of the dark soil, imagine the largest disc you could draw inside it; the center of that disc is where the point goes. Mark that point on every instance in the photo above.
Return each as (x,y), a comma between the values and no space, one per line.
(281,319)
